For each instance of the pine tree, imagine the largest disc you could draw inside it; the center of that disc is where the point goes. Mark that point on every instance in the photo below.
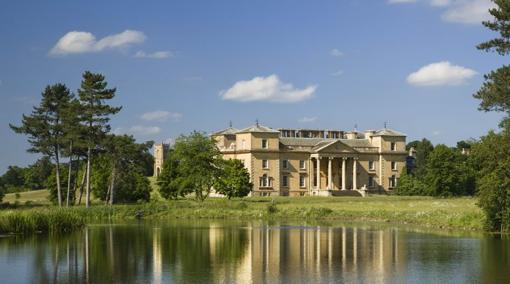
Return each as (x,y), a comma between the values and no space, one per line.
(44,126)
(95,112)
(495,91)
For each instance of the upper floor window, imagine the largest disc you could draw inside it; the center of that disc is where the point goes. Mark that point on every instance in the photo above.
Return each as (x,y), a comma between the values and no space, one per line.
(393,166)
(393,146)
(285,164)
(371,165)
(264,143)
(265,164)
(243,144)
(302,164)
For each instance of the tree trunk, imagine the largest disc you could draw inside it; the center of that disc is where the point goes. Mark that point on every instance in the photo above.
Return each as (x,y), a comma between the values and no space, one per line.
(81,186)
(112,185)
(75,183)
(87,188)
(70,172)
(57,169)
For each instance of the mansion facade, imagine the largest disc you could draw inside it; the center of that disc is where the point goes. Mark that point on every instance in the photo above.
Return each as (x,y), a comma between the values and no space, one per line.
(300,162)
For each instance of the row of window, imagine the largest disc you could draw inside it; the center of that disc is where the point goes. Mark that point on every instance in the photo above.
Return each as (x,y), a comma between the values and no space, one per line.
(265,145)
(302,165)
(266,181)
(302,180)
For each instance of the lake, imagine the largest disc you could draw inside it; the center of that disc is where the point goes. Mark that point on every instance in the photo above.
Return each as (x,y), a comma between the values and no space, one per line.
(184,251)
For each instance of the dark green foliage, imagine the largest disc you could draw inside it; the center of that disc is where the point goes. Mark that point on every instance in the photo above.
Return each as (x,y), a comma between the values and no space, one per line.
(448,173)
(94,114)
(198,166)
(501,24)
(51,185)
(234,179)
(410,185)
(45,126)
(119,171)
(167,181)
(14,179)
(491,161)
(38,173)
(423,149)
(494,95)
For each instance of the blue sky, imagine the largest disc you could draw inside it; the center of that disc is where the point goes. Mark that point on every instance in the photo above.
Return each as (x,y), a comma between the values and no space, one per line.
(185,65)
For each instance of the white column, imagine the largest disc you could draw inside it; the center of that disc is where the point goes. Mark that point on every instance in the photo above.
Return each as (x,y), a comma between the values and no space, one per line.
(318,174)
(330,160)
(354,173)
(343,172)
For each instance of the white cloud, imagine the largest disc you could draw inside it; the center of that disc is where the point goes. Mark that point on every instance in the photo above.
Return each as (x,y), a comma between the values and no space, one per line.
(440,3)
(161,116)
(436,133)
(269,89)
(401,1)
(335,52)
(154,55)
(468,11)
(85,42)
(337,73)
(307,119)
(440,73)
(144,130)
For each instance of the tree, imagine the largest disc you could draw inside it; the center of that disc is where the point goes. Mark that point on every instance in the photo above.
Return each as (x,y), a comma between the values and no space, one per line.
(45,126)
(490,158)
(410,185)
(495,91)
(198,164)
(447,173)
(13,179)
(234,180)
(95,112)
(38,173)
(423,149)
(168,187)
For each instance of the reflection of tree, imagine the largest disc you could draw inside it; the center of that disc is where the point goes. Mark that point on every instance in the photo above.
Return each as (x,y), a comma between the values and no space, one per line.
(495,259)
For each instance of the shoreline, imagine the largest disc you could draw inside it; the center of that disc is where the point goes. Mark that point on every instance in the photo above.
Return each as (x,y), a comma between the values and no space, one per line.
(460,214)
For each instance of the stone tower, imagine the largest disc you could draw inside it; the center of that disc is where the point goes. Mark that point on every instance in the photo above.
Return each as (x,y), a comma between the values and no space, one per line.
(160,152)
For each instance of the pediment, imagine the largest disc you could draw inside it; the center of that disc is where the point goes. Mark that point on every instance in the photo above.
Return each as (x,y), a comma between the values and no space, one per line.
(333,147)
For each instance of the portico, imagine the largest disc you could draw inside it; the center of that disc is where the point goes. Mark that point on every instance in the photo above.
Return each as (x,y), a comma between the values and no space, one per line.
(334,172)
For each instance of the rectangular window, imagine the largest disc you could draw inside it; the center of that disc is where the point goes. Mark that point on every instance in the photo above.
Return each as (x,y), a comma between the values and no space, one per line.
(371,165)
(371,182)
(264,143)
(302,164)
(393,181)
(265,164)
(265,181)
(285,181)
(302,180)
(393,166)
(393,146)
(285,164)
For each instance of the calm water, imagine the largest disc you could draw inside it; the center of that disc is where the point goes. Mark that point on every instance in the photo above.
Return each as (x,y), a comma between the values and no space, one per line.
(253,252)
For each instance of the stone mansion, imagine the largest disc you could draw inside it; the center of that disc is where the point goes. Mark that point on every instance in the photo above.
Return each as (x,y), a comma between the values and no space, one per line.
(299,162)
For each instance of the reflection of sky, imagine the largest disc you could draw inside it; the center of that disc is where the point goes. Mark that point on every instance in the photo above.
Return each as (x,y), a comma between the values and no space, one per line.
(252,254)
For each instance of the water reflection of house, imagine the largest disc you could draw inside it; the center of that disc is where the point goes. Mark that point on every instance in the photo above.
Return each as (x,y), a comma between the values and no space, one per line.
(296,254)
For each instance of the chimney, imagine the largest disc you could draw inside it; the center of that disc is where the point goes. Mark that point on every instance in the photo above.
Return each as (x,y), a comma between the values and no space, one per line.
(368,134)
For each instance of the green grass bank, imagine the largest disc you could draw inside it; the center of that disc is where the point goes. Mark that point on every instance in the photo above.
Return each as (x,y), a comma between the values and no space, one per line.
(451,213)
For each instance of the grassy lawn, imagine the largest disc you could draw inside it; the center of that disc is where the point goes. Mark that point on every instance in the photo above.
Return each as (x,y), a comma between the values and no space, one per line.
(449,213)
(36,197)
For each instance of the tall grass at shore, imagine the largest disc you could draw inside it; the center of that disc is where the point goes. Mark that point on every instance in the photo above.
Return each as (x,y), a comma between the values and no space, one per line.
(454,213)
(47,220)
